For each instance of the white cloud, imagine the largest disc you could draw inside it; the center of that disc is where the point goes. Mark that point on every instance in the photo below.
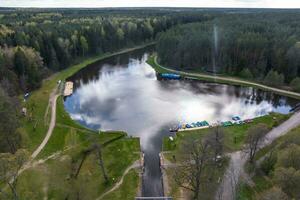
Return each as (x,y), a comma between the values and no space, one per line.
(153,3)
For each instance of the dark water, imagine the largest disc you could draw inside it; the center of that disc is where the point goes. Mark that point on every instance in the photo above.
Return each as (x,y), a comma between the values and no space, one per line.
(123,93)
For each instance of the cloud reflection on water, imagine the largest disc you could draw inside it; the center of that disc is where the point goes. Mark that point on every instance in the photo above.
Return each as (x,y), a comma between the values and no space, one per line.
(131,99)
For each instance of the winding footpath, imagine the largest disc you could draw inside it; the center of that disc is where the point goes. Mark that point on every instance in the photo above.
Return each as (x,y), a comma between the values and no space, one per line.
(227,189)
(135,165)
(231,80)
(52,102)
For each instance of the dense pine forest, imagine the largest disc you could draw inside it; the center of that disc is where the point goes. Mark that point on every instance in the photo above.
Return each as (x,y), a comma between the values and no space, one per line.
(262,46)
(34,44)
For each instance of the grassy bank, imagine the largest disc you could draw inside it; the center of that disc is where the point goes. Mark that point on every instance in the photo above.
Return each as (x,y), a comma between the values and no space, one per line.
(219,79)
(234,136)
(55,179)
(52,177)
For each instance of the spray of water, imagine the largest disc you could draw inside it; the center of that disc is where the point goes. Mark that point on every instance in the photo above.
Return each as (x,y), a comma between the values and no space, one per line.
(215,50)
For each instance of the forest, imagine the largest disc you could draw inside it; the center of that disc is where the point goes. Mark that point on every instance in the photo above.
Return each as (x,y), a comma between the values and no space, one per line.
(35,44)
(263,47)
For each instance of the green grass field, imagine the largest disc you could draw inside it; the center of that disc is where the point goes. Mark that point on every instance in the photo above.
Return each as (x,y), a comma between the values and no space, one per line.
(52,178)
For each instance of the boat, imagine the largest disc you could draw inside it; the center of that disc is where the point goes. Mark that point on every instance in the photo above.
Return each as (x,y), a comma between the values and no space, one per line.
(174,129)
(170,76)
(227,123)
(236,118)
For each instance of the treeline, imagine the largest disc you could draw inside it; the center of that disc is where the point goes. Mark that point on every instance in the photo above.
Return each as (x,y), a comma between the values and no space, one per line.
(34,44)
(261,46)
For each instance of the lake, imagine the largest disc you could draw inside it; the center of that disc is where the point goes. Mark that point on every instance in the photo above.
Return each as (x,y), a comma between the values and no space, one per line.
(123,93)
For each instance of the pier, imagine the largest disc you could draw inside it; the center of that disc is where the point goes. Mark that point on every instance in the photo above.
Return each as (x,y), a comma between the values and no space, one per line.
(68,88)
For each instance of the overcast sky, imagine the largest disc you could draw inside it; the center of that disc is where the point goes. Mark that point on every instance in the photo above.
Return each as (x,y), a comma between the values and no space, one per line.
(153,3)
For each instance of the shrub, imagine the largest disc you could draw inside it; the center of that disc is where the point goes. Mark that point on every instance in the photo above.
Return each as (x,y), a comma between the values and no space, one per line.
(273,78)
(295,84)
(246,73)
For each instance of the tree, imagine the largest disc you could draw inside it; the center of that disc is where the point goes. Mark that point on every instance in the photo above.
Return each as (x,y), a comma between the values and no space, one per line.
(289,157)
(10,166)
(293,58)
(96,146)
(274,79)
(295,84)
(216,140)
(20,61)
(84,45)
(269,161)
(254,139)
(274,193)
(246,73)
(196,157)
(9,122)
(289,180)
(98,149)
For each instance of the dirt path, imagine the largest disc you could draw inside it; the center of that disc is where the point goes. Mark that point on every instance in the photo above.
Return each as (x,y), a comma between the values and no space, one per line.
(136,164)
(227,189)
(52,102)
(233,80)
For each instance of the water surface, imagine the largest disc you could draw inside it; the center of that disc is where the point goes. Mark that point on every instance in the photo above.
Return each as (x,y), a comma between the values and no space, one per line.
(123,93)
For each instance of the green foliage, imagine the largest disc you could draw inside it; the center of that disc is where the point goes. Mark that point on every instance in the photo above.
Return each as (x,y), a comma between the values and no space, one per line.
(289,157)
(27,66)
(246,74)
(268,164)
(9,122)
(40,43)
(295,84)
(274,193)
(289,180)
(249,45)
(280,167)
(274,79)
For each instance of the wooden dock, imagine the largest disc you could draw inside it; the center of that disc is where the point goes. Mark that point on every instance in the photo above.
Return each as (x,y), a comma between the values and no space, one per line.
(68,88)
(192,129)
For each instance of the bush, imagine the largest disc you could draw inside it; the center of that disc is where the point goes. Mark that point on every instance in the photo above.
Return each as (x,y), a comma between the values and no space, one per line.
(246,73)
(273,78)
(295,84)
(274,193)
(267,165)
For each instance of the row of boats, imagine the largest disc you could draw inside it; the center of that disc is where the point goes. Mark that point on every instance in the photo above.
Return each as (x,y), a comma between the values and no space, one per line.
(236,120)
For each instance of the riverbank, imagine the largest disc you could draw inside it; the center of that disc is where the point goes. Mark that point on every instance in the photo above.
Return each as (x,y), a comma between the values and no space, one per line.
(68,141)
(219,79)
(234,139)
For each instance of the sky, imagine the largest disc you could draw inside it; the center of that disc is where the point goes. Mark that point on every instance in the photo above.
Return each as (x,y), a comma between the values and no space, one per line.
(153,3)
